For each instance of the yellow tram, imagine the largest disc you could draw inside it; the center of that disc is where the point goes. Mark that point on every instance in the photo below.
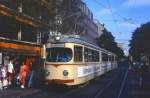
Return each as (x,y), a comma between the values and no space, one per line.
(73,61)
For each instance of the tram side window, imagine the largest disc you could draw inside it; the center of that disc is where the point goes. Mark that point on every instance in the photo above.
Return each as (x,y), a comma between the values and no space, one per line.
(78,52)
(112,58)
(115,58)
(91,55)
(88,55)
(95,56)
(104,57)
(109,57)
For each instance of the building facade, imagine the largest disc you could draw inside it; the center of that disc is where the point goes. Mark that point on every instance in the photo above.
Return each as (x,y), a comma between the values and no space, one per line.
(74,17)
(23,25)
(20,19)
(37,18)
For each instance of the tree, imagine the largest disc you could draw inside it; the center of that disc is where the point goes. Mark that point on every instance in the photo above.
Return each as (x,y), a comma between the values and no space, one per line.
(107,41)
(139,42)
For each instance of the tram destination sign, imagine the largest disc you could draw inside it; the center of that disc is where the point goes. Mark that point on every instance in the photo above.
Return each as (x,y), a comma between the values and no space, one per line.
(58,45)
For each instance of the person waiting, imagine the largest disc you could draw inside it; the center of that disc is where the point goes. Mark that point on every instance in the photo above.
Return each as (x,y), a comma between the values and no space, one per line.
(4,76)
(10,72)
(24,69)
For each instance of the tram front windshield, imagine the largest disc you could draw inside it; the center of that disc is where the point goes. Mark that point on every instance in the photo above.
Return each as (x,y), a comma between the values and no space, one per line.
(58,54)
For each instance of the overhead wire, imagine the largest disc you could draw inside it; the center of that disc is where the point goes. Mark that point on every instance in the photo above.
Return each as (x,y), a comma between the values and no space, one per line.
(113,16)
(125,19)
(96,1)
(111,11)
(129,20)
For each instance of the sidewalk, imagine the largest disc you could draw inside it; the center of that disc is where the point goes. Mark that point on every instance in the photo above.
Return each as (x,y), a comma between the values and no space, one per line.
(142,86)
(17,92)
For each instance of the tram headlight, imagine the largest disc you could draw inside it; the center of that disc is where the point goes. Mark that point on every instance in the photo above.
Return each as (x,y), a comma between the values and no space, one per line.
(65,72)
(57,38)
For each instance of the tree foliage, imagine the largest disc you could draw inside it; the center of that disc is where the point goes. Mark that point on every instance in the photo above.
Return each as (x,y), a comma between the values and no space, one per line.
(139,42)
(107,41)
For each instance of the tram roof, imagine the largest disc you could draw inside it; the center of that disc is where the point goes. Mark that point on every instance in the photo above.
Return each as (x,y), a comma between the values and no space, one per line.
(80,40)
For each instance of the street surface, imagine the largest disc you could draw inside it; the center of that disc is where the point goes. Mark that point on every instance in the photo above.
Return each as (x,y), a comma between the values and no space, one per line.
(120,83)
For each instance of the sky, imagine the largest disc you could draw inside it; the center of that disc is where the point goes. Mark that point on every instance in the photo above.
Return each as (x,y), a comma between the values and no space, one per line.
(121,17)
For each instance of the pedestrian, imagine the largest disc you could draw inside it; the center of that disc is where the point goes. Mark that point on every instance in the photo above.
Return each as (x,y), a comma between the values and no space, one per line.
(16,67)
(144,72)
(10,71)
(1,84)
(31,74)
(4,76)
(24,69)
(16,81)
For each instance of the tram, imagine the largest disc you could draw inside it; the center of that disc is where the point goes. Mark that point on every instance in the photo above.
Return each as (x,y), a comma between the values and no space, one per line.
(74,61)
